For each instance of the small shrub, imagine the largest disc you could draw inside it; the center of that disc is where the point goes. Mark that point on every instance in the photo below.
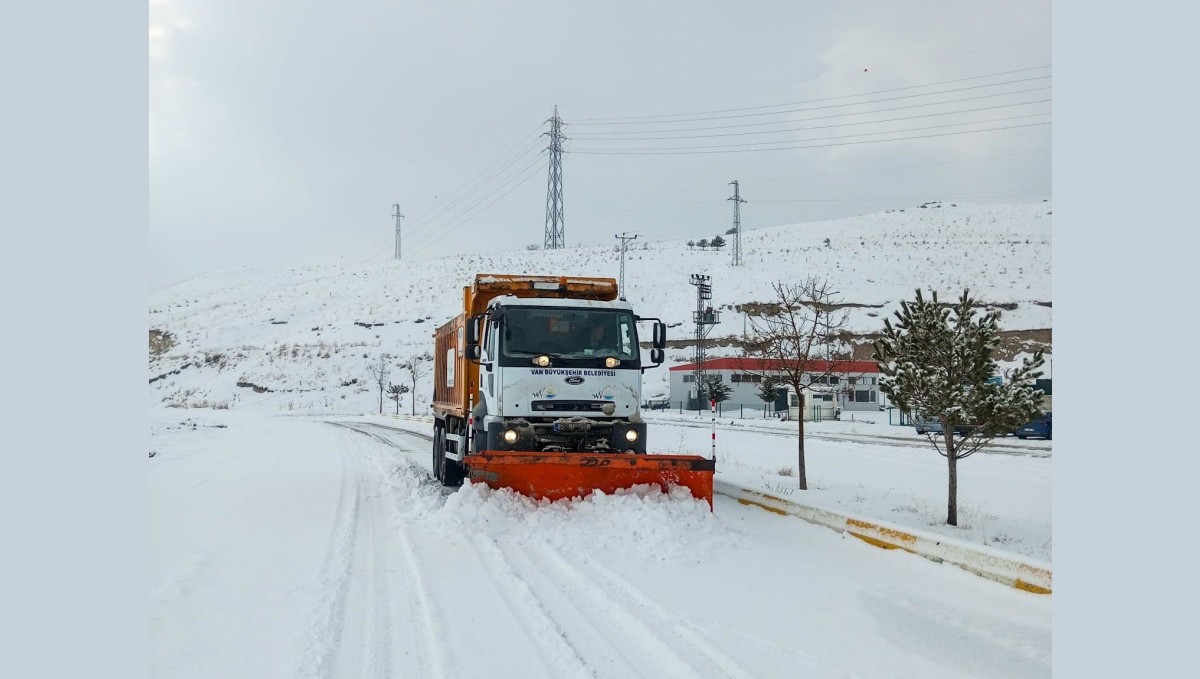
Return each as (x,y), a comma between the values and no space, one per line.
(786,471)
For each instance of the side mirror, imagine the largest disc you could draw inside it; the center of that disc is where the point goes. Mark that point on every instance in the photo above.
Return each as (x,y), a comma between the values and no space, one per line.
(472,349)
(657,356)
(660,337)
(473,329)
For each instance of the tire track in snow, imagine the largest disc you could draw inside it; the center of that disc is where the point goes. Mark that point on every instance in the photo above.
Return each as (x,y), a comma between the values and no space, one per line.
(537,623)
(359,627)
(627,602)
(683,629)
(432,663)
(586,611)
(430,659)
(323,635)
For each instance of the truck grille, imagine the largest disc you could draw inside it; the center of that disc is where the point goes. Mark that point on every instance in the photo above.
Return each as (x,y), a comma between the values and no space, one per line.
(568,406)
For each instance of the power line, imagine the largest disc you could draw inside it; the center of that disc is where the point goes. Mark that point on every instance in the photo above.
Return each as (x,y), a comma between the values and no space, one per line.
(475,184)
(709,203)
(679,117)
(844,136)
(451,226)
(464,204)
(529,136)
(890,67)
(810,146)
(826,117)
(457,219)
(482,183)
(817,127)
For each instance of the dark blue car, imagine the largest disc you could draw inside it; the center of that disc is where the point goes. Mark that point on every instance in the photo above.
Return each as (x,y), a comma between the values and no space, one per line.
(1042,427)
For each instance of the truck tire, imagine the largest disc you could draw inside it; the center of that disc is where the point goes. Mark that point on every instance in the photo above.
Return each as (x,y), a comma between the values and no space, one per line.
(445,470)
(452,472)
(436,463)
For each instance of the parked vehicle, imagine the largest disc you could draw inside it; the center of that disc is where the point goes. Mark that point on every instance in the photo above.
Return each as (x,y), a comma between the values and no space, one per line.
(1040,427)
(935,427)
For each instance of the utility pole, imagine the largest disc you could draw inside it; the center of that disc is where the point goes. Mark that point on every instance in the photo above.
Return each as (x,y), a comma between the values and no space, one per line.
(555,222)
(737,224)
(704,317)
(398,216)
(624,245)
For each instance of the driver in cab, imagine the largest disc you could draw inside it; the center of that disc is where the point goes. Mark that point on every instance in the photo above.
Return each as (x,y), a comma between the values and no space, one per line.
(597,341)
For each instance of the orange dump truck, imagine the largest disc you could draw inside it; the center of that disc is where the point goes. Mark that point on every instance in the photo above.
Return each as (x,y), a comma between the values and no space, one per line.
(537,387)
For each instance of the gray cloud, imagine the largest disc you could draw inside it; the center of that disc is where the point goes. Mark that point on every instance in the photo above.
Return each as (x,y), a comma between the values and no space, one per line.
(281,133)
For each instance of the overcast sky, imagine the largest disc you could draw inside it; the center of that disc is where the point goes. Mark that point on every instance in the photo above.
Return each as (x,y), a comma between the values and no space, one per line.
(281,133)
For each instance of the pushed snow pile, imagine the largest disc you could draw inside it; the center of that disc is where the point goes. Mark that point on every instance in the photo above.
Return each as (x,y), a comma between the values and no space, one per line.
(642,521)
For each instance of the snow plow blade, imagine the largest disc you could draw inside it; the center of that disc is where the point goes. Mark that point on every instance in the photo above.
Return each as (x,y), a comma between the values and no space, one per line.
(555,476)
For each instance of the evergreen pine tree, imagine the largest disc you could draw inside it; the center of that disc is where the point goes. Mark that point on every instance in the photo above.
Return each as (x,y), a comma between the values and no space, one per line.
(715,389)
(717,242)
(935,364)
(768,389)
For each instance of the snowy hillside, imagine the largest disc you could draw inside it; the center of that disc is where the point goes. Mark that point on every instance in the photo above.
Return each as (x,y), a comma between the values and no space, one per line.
(301,338)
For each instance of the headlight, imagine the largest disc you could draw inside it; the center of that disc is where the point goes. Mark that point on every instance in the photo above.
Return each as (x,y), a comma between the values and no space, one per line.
(542,361)
(611,362)
(510,436)
(631,435)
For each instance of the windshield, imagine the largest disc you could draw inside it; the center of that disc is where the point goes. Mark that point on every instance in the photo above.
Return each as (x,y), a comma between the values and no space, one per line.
(568,333)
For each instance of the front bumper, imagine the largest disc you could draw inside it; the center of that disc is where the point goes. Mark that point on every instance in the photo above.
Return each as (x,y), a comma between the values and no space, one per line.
(568,435)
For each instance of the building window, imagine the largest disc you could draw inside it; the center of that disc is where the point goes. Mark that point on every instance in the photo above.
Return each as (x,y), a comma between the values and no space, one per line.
(689,378)
(735,377)
(826,379)
(864,396)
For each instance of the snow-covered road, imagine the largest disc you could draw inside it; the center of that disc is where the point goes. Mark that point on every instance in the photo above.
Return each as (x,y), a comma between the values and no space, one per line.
(288,546)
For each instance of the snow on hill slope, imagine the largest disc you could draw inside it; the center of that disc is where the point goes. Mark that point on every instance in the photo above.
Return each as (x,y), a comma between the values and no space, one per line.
(301,338)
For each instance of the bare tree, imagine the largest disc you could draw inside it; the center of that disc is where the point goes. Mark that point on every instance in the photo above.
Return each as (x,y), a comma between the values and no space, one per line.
(379,371)
(396,392)
(798,335)
(417,367)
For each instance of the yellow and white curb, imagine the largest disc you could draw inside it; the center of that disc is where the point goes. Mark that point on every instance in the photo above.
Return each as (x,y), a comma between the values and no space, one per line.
(1030,575)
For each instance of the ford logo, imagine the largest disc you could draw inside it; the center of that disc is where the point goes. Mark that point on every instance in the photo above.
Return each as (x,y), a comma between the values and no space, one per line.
(574,379)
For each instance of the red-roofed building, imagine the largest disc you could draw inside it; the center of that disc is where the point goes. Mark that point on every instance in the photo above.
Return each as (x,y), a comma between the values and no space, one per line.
(853,385)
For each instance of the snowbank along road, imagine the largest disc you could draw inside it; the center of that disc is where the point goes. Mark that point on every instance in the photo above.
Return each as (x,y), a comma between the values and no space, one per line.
(296,547)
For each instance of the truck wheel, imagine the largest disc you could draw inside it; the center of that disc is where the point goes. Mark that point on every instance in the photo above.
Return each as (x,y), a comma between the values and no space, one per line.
(452,472)
(439,434)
